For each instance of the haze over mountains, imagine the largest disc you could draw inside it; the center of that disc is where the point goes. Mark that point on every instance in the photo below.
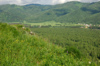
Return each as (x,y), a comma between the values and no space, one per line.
(44,2)
(70,12)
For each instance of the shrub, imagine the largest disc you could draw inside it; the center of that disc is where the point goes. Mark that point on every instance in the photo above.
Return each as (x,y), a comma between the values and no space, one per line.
(73,51)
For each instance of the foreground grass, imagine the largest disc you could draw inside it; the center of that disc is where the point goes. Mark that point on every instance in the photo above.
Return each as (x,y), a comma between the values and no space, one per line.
(19,48)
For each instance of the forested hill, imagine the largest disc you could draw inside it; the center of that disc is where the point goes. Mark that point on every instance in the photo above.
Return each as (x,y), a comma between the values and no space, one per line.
(70,12)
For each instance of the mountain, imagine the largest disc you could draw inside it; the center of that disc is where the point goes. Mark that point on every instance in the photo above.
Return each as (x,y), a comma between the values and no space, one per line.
(15,13)
(70,12)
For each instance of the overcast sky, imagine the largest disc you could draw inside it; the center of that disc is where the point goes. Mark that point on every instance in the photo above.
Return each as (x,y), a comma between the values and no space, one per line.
(50,2)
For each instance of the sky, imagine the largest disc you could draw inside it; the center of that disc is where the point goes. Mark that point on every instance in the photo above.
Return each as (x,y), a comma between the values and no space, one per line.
(44,2)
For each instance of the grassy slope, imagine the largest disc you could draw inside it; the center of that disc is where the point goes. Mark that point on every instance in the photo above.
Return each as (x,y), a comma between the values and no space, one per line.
(19,48)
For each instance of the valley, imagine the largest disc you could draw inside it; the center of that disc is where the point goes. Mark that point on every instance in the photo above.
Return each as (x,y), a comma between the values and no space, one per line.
(50,35)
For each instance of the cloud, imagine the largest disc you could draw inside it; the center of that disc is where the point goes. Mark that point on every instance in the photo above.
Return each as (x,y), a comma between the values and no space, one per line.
(89,0)
(52,2)
(61,1)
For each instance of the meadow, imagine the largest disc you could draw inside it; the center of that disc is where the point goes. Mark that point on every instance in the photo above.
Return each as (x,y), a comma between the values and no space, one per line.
(47,23)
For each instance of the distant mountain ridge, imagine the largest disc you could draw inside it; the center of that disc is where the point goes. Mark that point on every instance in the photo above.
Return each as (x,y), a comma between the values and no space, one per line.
(70,12)
(36,5)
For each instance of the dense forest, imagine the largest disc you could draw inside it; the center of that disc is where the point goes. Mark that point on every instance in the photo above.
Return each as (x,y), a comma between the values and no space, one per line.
(70,12)
(85,40)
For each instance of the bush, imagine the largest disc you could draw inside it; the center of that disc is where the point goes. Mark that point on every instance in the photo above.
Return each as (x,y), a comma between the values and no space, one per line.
(73,51)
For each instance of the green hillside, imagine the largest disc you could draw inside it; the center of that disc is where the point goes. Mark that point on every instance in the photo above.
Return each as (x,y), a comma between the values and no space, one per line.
(15,13)
(58,12)
(70,12)
(19,48)
(11,13)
